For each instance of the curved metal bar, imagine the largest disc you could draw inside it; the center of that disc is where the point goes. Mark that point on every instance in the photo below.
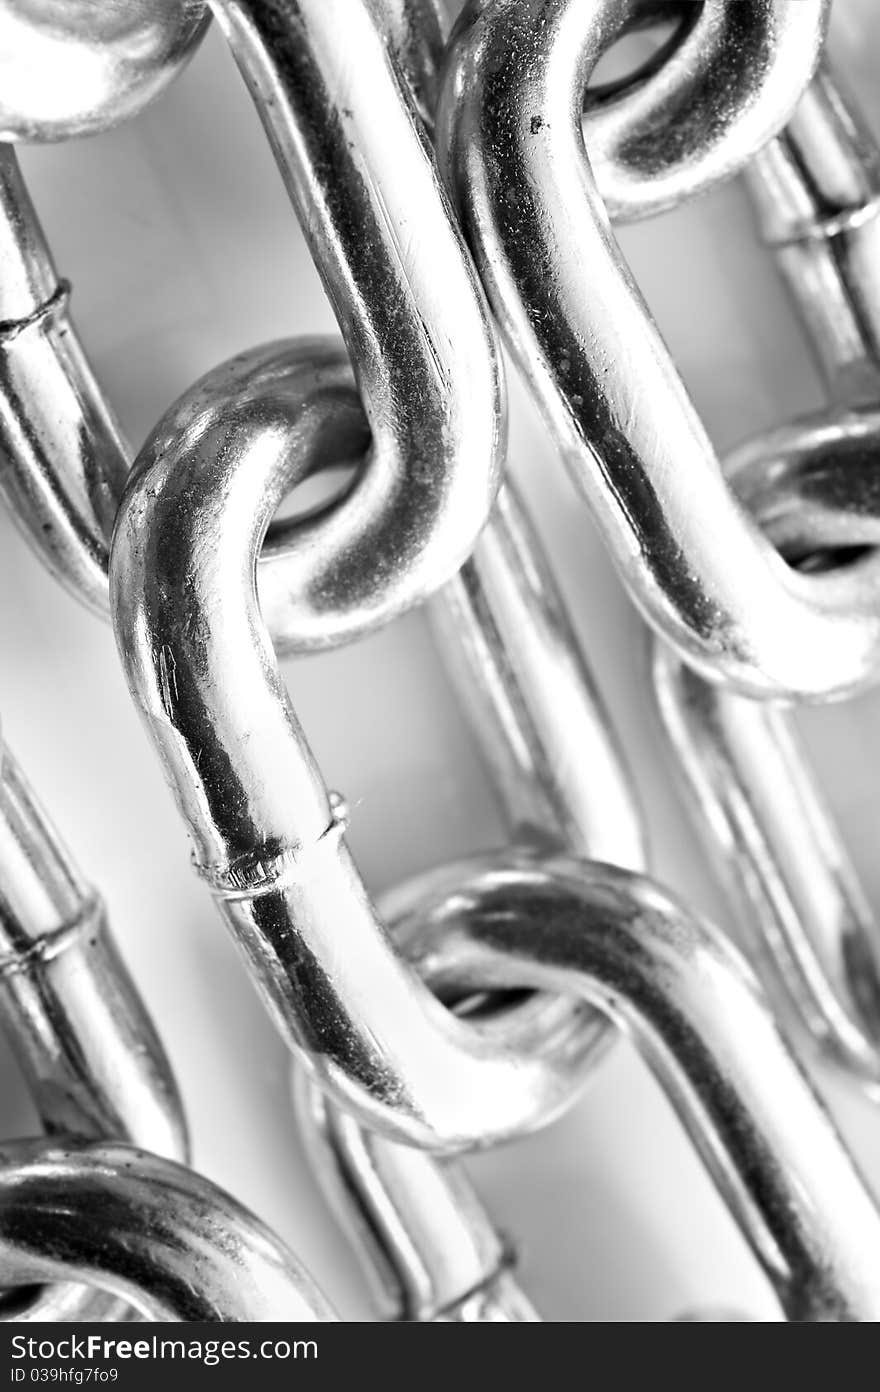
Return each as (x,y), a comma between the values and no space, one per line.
(63,460)
(345,131)
(509,130)
(268,839)
(694,1011)
(87,1048)
(717,92)
(70,67)
(425,1241)
(149,1231)
(506,641)
(813,486)
(505,637)
(348,142)
(508,646)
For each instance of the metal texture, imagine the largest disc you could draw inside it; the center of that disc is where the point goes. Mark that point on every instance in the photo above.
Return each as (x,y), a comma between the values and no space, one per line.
(509,131)
(83,1039)
(812,486)
(64,460)
(810,930)
(816,190)
(268,837)
(151,1232)
(698,112)
(71,67)
(695,1012)
(764,820)
(473,1004)
(410,308)
(506,640)
(427,1245)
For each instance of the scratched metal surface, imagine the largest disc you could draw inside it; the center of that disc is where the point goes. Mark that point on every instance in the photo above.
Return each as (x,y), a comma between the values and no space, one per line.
(182,250)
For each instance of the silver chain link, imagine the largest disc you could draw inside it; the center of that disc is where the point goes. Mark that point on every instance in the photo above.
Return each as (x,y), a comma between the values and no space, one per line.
(447,184)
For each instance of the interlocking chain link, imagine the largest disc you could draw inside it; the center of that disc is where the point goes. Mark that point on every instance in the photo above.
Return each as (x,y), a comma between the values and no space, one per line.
(812,485)
(82,1036)
(471,1006)
(699,570)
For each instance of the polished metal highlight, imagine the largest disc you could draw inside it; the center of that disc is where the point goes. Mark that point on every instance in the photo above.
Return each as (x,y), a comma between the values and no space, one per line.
(73,67)
(64,459)
(695,1012)
(81,1034)
(345,132)
(470,1007)
(813,485)
(509,132)
(268,837)
(813,488)
(816,190)
(148,1231)
(698,112)
(507,644)
(810,933)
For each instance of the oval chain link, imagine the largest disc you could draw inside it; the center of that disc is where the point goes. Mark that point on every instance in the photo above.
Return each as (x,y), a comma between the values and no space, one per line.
(813,486)
(471,1008)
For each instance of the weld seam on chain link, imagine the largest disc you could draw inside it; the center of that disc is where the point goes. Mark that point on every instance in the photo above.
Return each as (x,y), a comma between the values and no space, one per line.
(257,874)
(50,945)
(11,328)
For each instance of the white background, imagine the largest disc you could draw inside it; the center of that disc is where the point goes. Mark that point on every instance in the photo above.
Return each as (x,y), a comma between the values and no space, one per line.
(183,250)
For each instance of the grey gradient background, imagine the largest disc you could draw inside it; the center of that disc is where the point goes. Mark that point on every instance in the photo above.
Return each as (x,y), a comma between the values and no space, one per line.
(182,249)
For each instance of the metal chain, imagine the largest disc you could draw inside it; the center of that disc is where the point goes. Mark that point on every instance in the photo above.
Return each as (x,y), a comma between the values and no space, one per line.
(471,1006)
(811,485)
(83,1039)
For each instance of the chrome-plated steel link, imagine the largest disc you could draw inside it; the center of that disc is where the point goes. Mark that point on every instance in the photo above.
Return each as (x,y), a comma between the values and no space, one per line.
(83,1039)
(71,67)
(695,1012)
(700,110)
(149,1231)
(425,1241)
(470,1007)
(64,460)
(510,136)
(345,133)
(182,577)
(813,487)
(509,649)
(346,139)
(811,934)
